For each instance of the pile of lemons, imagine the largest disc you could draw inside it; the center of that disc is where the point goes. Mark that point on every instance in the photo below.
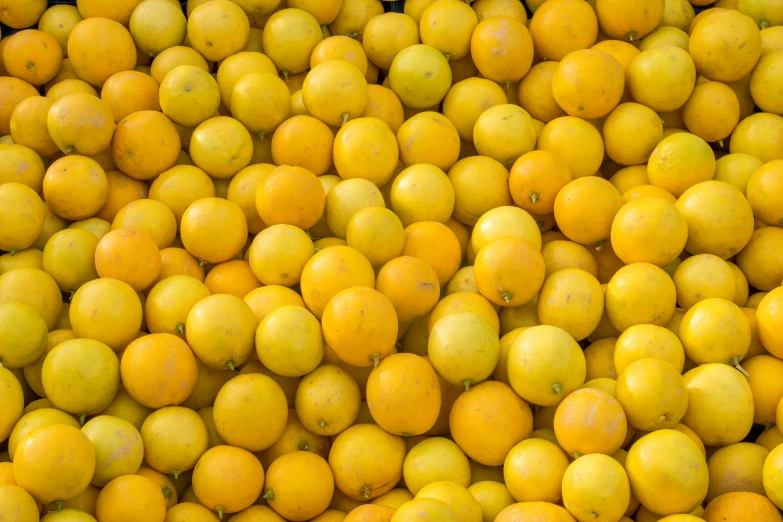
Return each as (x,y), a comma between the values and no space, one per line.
(534,274)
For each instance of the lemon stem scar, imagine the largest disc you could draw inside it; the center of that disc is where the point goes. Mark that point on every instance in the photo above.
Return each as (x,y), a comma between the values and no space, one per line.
(58,506)
(353,35)
(764,24)
(270,494)
(599,247)
(303,445)
(506,296)
(508,84)
(720,143)
(70,150)
(230,365)
(533,197)
(557,388)
(219,510)
(345,117)
(447,56)
(81,418)
(324,27)
(594,514)
(261,135)
(366,492)
(631,35)
(467,384)
(180,328)
(202,263)
(577,454)
(322,423)
(285,74)
(175,473)
(734,361)
(376,360)
(167,493)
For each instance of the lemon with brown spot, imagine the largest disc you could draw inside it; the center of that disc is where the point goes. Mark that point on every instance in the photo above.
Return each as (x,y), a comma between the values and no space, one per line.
(189,95)
(218,30)
(420,75)
(320,415)
(411,285)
